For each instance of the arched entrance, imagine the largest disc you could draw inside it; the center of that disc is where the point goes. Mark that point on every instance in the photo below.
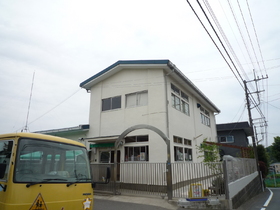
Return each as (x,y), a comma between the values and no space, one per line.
(120,141)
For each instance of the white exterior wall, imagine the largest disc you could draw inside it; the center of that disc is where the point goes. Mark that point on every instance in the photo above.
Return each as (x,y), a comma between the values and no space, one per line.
(190,127)
(114,122)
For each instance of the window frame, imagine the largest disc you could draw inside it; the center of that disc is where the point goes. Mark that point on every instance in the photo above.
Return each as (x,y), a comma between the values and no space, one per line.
(180,100)
(183,154)
(133,139)
(226,137)
(143,156)
(138,101)
(184,145)
(111,105)
(8,157)
(205,117)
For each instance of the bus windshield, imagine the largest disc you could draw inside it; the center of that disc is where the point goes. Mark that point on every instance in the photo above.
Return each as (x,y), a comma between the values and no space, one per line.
(42,161)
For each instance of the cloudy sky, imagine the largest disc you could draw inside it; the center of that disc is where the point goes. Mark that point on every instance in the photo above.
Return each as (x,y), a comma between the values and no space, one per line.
(62,43)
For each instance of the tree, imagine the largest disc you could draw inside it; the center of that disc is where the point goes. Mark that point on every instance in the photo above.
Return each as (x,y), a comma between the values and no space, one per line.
(262,155)
(263,160)
(275,149)
(271,158)
(211,155)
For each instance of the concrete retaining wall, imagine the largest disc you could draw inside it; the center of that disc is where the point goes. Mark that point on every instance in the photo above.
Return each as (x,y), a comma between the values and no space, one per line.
(238,194)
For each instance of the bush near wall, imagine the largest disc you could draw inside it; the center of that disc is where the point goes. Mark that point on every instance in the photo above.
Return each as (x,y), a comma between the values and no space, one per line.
(271,182)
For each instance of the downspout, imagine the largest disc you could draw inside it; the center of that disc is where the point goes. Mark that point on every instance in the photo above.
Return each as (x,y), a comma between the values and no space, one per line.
(168,163)
(166,105)
(170,65)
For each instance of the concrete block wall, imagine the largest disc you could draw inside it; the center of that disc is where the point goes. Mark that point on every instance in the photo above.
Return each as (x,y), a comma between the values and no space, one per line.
(250,190)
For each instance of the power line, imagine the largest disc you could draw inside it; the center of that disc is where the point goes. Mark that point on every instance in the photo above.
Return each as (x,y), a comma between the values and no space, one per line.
(208,6)
(250,98)
(256,35)
(54,107)
(240,32)
(214,43)
(248,33)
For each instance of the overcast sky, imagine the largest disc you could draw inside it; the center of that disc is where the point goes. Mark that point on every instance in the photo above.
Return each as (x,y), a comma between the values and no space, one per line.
(66,42)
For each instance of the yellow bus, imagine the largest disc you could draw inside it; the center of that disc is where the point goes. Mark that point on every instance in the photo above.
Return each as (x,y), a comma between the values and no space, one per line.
(44,172)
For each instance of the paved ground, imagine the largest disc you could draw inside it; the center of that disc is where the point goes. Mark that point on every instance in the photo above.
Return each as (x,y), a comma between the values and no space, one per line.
(256,202)
(151,200)
(253,204)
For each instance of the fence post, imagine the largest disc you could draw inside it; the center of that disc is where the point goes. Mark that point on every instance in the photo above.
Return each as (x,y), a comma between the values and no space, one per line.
(226,179)
(169,180)
(115,172)
(169,171)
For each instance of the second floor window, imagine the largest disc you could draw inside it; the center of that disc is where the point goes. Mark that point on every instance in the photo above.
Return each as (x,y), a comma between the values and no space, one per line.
(180,100)
(226,139)
(111,103)
(205,116)
(137,99)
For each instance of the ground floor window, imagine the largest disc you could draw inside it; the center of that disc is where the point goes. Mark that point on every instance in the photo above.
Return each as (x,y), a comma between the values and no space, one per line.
(136,153)
(105,157)
(182,154)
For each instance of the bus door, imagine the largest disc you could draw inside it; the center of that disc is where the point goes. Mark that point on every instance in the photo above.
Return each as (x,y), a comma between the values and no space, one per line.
(6,147)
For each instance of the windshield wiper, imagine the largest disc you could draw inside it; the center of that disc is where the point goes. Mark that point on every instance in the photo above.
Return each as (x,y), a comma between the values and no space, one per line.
(78,180)
(43,181)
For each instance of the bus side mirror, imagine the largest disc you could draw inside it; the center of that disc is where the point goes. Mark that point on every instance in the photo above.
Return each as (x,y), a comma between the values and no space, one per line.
(3,167)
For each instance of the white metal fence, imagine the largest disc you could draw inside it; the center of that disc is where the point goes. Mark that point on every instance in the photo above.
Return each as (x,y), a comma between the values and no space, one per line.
(150,178)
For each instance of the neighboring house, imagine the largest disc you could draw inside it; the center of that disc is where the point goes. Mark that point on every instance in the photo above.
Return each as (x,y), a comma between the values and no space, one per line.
(150,92)
(276,167)
(233,134)
(75,133)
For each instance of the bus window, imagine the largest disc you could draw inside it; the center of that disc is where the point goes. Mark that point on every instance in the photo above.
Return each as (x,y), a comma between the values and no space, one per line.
(40,161)
(5,156)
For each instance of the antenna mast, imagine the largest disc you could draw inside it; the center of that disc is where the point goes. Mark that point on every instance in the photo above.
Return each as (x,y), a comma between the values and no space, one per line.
(25,129)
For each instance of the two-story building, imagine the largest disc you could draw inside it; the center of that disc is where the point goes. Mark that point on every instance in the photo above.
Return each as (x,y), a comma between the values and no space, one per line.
(232,137)
(150,92)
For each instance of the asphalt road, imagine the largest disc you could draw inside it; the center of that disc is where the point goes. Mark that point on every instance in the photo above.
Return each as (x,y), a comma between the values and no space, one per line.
(101,204)
(261,201)
(274,204)
(267,200)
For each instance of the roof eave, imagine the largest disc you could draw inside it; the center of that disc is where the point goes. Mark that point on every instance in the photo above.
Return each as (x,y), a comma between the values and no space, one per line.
(87,84)
(186,80)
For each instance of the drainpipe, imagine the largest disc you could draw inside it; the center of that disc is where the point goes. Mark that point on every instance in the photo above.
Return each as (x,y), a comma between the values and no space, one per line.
(168,163)
(166,103)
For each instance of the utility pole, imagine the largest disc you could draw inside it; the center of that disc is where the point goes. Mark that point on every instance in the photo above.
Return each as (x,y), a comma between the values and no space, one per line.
(251,124)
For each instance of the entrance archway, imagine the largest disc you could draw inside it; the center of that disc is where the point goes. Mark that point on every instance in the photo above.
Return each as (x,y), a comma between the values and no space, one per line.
(120,141)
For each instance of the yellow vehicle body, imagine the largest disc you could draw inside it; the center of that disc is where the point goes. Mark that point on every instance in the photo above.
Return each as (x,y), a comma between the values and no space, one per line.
(38,173)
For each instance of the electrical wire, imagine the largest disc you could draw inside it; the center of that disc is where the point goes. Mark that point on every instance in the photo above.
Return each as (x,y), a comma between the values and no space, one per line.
(214,43)
(248,34)
(251,98)
(53,107)
(211,12)
(240,32)
(256,35)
